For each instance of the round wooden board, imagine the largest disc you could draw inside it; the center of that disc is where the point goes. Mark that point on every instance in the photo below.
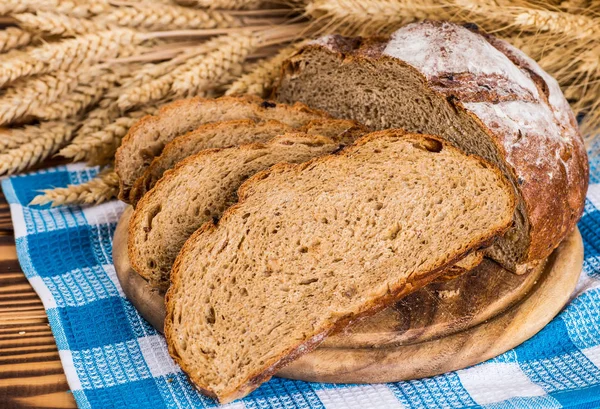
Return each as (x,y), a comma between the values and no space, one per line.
(443,327)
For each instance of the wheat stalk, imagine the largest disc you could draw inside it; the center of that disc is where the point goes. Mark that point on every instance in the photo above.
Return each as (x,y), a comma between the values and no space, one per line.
(260,80)
(168,17)
(103,187)
(56,24)
(46,139)
(13,37)
(76,8)
(215,64)
(70,54)
(99,146)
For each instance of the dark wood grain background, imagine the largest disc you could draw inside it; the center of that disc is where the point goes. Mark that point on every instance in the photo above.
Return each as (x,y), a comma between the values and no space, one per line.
(31,375)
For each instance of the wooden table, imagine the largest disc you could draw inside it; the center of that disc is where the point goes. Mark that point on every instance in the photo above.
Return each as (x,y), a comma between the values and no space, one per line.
(31,375)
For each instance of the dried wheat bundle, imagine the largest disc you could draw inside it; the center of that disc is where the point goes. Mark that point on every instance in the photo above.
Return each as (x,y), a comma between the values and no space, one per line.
(46,139)
(76,8)
(260,80)
(13,37)
(49,23)
(103,187)
(168,17)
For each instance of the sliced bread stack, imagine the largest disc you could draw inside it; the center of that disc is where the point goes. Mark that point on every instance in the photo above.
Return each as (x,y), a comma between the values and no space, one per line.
(201,187)
(310,248)
(479,93)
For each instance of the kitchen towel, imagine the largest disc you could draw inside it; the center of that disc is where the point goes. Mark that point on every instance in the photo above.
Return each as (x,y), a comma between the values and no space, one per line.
(115,359)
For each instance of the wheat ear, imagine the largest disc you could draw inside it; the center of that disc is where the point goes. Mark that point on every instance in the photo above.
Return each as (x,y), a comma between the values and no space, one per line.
(217,63)
(56,24)
(168,17)
(84,95)
(577,26)
(102,188)
(99,146)
(15,137)
(13,37)
(159,88)
(223,4)
(30,95)
(47,138)
(261,79)
(76,8)
(368,17)
(69,54)
(26,95)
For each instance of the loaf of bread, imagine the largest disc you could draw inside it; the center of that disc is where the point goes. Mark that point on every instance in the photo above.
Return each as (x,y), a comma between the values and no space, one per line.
(476,91)
(147,138)
(311,247)
(201,187)
(232,133)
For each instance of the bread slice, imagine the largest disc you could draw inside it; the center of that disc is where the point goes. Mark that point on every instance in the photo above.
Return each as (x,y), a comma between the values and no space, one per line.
(476,91)
(199,189)
(230,133)
(312,247)
(146,139)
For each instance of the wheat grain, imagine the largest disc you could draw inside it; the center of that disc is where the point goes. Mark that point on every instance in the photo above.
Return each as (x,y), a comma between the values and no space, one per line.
(100,145)
(76,8)
(224,4)
(56,24)
(13,37)
(69,54)
(261,79)
(168,17)
(199,77)
(47,138)
(102,188)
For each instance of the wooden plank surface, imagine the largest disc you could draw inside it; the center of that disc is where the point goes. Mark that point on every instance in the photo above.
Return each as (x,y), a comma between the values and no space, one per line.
(31,375)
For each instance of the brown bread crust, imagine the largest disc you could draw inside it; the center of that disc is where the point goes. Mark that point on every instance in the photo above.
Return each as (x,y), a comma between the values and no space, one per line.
(549,165)
(415,282)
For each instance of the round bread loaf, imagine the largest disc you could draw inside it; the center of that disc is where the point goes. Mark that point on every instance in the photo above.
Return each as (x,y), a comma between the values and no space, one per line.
(478,92)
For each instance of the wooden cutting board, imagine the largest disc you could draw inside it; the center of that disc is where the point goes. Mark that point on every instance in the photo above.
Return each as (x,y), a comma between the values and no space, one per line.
(443,327)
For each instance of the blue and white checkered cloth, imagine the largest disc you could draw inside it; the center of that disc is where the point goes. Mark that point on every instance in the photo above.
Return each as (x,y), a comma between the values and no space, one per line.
(115,359)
